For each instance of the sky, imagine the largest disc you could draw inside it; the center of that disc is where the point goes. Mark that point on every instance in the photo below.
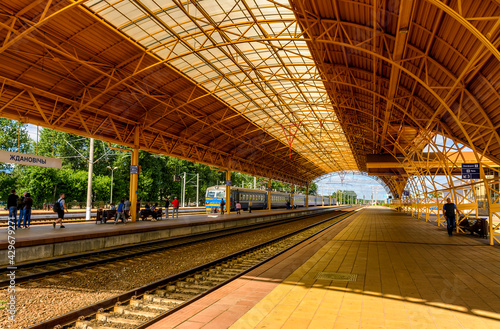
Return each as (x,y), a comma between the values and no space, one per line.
(364,186)
(31,131)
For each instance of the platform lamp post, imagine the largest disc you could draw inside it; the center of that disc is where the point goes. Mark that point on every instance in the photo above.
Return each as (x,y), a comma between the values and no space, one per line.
(112,170)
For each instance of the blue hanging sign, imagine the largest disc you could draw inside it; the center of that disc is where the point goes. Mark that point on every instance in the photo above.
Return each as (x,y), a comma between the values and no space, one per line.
(471,171)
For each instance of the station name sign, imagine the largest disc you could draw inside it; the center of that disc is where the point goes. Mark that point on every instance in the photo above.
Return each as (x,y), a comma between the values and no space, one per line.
(29,159)
(471,171)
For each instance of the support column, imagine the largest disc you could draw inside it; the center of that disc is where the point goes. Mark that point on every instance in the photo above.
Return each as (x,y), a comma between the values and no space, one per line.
(131,156)
(307,195)
(228,191)
(134,178)
(269,194)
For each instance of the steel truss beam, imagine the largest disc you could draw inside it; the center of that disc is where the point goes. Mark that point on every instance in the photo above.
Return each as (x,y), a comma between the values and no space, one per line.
(44,110)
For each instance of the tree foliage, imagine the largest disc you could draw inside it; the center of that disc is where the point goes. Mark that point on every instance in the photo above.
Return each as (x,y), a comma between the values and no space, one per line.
(13,139)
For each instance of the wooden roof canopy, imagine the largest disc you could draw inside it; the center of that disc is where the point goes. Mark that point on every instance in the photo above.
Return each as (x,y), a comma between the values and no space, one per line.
(285,90)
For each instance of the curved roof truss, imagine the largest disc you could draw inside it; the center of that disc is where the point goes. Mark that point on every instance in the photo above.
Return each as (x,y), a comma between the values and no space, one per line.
(296,89)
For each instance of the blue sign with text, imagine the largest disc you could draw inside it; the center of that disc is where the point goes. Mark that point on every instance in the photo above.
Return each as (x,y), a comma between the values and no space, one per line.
(471,171)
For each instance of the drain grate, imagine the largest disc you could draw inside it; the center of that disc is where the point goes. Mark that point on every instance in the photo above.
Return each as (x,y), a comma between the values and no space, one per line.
(331,276)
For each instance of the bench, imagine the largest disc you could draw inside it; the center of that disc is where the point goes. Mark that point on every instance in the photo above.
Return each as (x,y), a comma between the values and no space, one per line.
(145,213)
(476,225)
(104,215)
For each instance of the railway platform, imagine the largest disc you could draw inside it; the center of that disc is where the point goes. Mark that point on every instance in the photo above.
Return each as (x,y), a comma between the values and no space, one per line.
(43,241)
(376,269)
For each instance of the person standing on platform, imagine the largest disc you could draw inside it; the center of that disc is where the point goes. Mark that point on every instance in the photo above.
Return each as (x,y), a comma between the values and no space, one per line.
(20,207)
(59,208)
(449,209)
(12,206)
(119,212)
(167,204)
(175,207)
(238,208)
(222,204)
(28,203)
(126,208)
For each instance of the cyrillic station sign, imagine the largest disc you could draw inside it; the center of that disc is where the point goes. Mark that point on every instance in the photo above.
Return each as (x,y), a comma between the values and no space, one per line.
(29,159)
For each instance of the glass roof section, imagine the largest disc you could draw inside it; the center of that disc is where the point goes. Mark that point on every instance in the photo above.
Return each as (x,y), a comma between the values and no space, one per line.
(251,55)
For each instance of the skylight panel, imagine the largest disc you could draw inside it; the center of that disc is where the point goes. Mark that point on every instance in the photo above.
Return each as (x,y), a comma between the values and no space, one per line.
(269,77)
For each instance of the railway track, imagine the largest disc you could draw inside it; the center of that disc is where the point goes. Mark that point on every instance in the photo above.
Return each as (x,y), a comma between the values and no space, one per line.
(143,306)
(39,269)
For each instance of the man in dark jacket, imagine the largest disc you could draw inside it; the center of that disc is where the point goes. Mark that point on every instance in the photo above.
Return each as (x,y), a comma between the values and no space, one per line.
(12,206)
(28,203)
(222,204)
(20,207)
(449,209)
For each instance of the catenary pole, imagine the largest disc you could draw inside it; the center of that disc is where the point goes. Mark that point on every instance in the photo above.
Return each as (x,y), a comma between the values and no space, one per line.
(89,184)
(183,191)
(197,189)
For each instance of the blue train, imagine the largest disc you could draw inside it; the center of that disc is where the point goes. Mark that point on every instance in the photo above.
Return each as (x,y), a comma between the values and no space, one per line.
(257,199)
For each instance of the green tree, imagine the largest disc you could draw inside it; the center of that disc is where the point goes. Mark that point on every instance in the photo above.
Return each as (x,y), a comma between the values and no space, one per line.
(41,182)
(7,182)
(313,188)
(12,139)
(9,135)
(74,150)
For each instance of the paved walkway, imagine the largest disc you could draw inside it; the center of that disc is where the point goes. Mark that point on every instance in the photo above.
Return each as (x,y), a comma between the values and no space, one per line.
(409,275)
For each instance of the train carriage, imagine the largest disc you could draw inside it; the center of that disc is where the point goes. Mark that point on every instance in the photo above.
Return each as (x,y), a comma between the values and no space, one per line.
(299,200)
(257,199)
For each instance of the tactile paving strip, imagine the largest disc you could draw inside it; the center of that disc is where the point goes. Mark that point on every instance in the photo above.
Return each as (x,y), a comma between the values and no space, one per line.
(331,276)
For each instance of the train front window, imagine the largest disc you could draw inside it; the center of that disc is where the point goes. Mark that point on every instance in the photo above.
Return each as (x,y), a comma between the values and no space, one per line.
(211,194)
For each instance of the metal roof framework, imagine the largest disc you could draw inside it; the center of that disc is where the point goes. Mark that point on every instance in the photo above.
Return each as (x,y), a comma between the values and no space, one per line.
(285,90)
(401,71)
